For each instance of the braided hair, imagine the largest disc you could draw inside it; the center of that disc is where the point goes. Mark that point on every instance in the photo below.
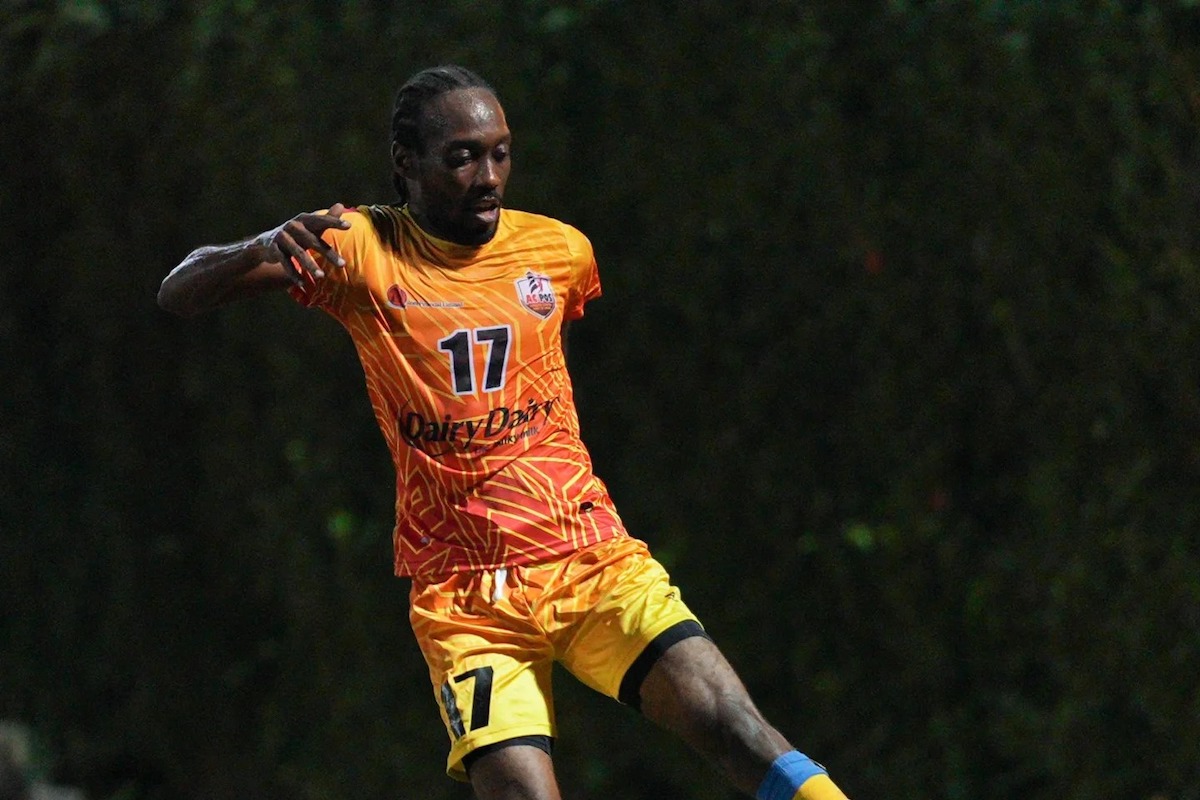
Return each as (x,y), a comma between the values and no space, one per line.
(410,102)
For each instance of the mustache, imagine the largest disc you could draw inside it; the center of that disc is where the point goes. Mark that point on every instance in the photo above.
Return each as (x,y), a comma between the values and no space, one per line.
(488,195)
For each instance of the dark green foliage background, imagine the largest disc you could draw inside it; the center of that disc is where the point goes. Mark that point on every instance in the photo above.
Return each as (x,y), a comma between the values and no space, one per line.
(895,369)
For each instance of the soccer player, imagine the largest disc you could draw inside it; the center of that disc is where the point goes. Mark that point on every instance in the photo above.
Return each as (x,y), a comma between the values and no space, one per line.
(458,309)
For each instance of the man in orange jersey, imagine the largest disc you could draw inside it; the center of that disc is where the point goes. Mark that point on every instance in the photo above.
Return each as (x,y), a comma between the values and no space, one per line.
(458,310)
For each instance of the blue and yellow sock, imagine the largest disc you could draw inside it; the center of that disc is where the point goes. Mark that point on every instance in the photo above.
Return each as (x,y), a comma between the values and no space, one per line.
(795,776)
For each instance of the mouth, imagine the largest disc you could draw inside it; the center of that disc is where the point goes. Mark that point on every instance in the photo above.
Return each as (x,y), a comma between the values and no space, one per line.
(486,208)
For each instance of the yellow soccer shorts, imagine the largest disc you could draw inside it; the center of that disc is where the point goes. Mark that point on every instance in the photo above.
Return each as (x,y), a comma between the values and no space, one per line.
(605,612)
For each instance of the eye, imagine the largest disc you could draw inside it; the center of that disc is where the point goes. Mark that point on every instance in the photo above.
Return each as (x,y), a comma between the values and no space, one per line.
(459,158)
(501,153)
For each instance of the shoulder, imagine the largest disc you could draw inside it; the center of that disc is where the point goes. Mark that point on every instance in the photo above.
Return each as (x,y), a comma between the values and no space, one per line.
(361,245)
(372,223)
(549,231)
(358,221)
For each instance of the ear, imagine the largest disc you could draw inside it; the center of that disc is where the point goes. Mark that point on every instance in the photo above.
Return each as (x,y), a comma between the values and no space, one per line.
(402,160)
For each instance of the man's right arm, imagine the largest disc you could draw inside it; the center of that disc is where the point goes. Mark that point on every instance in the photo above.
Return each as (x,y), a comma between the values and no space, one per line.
(215,275)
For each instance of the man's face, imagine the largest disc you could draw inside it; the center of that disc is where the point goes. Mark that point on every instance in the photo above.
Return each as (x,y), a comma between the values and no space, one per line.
(456,182)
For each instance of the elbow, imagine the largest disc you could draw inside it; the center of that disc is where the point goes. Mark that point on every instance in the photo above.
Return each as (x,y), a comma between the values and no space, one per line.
(170,299)
(164,298)
(167,302)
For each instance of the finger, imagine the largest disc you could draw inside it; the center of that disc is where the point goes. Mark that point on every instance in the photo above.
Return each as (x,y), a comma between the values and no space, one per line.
(308,230)
(275,255)
(305,237)
(296,254)
(329,254)
(336,210)
(293,272)
(318,223)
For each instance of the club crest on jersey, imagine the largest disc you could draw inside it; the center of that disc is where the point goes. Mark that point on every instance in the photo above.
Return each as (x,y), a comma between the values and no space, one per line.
(535,293)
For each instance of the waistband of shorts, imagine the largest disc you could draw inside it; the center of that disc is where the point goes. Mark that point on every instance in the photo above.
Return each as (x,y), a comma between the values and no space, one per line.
(424,580)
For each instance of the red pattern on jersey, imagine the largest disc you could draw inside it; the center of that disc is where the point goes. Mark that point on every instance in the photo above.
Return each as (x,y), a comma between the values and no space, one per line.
(462,352)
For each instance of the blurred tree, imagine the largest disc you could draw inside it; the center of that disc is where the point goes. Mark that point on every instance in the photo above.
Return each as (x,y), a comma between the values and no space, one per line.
(892,371)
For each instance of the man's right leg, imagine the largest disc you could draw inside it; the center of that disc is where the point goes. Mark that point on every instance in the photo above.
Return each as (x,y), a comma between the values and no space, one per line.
(490,668)
(512,772)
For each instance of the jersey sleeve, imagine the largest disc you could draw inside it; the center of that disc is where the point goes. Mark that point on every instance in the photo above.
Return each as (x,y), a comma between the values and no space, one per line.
(585,276)
(321,293)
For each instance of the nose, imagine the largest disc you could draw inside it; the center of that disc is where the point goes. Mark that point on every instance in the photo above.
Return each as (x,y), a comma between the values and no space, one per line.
(489,173)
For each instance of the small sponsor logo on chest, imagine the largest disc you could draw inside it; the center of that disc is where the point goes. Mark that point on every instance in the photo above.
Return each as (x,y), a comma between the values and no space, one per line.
(400,299)
(536,293)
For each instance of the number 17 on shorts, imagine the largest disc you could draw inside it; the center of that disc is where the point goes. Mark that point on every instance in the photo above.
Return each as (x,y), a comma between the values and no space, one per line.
(480,689)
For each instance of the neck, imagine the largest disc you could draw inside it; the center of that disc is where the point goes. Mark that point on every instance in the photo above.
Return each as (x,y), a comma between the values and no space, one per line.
(439,236)
(434,232)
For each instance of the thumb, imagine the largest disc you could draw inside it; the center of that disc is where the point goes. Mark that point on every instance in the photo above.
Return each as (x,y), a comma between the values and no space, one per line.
(336,210)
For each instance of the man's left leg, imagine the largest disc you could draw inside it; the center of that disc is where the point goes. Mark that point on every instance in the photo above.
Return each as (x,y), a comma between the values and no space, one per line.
(693,691)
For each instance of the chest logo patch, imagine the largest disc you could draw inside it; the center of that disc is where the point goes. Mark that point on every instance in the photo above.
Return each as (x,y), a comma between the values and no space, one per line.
(535,293)
(401,299)
(397,297)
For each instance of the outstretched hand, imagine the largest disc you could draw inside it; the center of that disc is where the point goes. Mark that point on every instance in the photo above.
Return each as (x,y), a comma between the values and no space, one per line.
(293,243)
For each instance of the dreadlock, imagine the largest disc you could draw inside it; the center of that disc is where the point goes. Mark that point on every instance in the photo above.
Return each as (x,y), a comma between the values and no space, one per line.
(410,102)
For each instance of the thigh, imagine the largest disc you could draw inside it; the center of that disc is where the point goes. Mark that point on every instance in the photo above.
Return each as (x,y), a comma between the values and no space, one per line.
(618,612)
(519,772)
(490,667)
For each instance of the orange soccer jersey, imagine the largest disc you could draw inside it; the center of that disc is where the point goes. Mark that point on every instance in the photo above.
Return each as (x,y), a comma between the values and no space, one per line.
(462,353)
